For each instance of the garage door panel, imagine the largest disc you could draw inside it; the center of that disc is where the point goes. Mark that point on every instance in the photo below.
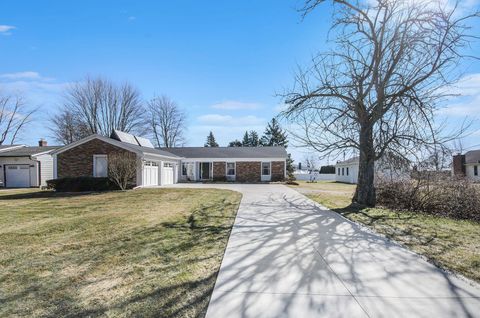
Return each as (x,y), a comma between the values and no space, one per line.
(150,174)
(167,173)
(17,176)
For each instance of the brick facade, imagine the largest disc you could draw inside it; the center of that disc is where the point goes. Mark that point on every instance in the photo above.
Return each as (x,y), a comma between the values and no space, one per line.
(219,170)
(78,161)
(278,170)
(459,165)
(248,171)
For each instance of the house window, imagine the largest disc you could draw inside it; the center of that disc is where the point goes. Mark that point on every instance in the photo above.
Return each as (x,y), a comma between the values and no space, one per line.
(343,171)
(347,171)
(230,168)
(475,170)
(100,166)
(338,171)
(187,169)
(265,168)
(168,165)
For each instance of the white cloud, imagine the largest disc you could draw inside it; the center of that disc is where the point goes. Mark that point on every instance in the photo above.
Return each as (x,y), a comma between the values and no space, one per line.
(229,121)
(235,105)
(5,29)
(468,101)
(29,75)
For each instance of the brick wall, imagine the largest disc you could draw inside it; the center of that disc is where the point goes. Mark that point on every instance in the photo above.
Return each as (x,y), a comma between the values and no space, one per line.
(459,165)
(278,170)
(248,171)
(78,161)
(219,170)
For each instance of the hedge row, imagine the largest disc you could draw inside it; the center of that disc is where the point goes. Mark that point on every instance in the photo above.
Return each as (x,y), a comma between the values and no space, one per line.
(79,184)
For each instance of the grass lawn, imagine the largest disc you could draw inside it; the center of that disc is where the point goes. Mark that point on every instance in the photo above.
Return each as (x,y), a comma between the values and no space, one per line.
(451,244)
(151,252)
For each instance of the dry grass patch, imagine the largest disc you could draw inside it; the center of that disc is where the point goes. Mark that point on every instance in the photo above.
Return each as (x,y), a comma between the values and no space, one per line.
(149,252)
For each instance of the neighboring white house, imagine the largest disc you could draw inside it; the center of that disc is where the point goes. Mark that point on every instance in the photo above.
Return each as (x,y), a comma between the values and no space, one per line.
(393,168)
(347,171)
(22,166)
(467,165)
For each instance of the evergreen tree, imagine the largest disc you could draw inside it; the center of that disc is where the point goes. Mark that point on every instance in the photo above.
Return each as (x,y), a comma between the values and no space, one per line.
(211,141)
(246,140)
(274,135)
(235,143)
(253,138)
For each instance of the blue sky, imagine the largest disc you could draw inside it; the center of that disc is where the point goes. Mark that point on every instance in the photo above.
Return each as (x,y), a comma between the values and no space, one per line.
(222,61)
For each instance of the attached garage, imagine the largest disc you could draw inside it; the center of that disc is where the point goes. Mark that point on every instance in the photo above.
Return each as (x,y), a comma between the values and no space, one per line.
(17,176)
(154,167)
(24,167)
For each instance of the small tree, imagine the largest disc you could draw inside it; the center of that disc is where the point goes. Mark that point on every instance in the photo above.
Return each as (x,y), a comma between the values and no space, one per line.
(246,140)
(235,143)
(253,138)
(211,141)
(274,135)
(122,169)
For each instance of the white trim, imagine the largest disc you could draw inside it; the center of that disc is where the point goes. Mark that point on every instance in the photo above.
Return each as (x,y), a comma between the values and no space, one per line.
(234,169)
(94,166)
(269,169)
(232,159)
(11,147)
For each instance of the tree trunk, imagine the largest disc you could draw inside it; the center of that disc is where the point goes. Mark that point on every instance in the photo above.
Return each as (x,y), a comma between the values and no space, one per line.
(365,191)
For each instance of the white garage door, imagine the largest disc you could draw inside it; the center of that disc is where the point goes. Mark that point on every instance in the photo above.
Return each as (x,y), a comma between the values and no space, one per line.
(17,176)
(167,173)
(150,174)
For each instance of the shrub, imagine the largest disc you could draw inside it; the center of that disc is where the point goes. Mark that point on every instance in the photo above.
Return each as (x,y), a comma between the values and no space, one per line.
(327,170)
(453,198)
(79,184)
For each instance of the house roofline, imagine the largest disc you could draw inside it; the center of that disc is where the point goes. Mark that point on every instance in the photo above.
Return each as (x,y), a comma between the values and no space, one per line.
(111,141)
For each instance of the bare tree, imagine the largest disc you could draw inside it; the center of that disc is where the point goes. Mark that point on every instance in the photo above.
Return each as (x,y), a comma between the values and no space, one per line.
(97,106)
(122,169)
(167,122)
(67,128)
(14,116)
(378,88)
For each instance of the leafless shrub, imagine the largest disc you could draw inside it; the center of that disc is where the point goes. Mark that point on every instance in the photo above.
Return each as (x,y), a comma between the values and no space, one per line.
(122,169)
(450,197)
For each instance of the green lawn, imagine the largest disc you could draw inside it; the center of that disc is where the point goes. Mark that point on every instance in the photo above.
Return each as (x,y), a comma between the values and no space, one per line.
(451,244)
(152,252)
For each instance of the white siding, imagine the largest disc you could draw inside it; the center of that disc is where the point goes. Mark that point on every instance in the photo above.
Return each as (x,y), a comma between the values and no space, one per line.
(46,168)
(469,171)
(352,175)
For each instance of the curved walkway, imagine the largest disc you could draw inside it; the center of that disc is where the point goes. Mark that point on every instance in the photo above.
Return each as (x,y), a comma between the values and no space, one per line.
(290,257)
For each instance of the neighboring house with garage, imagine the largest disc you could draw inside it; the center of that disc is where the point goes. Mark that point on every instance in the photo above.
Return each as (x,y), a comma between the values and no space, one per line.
(23,166)
(467,165)
(89,157)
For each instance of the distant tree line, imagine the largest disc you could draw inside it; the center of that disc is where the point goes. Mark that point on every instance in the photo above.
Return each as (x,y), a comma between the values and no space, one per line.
(274,135)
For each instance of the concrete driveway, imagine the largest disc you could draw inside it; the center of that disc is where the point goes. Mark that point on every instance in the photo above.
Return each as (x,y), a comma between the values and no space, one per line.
(290,257)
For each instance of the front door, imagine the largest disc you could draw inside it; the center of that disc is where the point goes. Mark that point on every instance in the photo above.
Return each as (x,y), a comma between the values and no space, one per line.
(205,169)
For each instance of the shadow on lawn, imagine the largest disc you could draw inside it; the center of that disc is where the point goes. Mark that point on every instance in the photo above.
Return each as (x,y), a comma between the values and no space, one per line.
(156,254)
(44,195)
